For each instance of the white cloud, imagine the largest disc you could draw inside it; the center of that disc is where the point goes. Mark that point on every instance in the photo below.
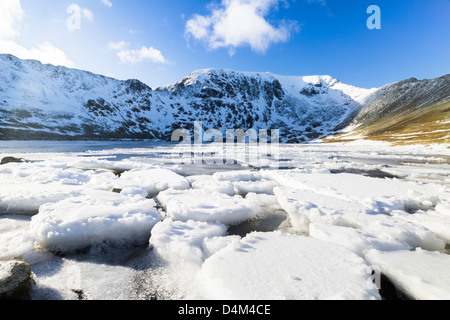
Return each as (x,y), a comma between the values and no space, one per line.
(11,17)
(118,45)
(237,23)
(135,56)
(107,3)
(44,52)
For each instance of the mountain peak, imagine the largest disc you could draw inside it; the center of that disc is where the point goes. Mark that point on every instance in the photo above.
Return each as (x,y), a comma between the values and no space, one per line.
(46,102)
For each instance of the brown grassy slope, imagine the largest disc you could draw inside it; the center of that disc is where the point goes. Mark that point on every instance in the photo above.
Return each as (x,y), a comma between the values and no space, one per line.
(421,126)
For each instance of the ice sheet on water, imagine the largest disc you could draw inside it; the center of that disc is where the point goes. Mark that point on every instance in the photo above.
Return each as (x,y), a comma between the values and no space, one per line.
(435,221)
(15,240)
(207,182)
(277,266)
(264,200)
(186,242)
(346,210)
(105,162)
(207,206)
(153,180)
(419,274)
(233,176)
(99,216)
(305,207)
(360,202)
(230,183)
(25,199)
(356,240)
(27,186)
(70,279)
(443,208)
(381,195)
(264,186)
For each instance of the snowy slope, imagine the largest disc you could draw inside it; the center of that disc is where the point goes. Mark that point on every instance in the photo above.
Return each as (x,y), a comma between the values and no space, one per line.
(407,111)
(37,98)
(303,108)
(43,101)
(46,102)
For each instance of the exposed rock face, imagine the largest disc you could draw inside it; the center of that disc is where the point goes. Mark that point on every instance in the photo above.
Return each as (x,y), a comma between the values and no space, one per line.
(404,97)
(407,111)
(46,102)
(15,280)
(7,160)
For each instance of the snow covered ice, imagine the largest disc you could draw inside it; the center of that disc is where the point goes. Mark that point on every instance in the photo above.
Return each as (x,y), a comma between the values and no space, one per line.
(139,222)
(419,274)
(101,216)
(277,266)
(203,205)
(185,241)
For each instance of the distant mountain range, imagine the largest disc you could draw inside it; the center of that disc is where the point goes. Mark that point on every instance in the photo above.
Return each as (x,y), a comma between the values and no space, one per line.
(40,101)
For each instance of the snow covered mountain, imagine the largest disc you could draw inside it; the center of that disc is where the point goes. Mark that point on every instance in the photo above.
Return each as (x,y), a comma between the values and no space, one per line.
(40,101)
(43,101)
(404,112)
(303,108)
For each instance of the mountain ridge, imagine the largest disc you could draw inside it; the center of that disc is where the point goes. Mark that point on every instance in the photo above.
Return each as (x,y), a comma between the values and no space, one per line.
(39,101)
(408,111)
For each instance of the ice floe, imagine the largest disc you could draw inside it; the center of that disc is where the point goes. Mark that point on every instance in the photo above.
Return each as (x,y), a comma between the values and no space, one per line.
(305,207)
(435,221)
(419,274)
(100,216)
(380,195)
(81,280)
(207,182)
(190,241)
(278,266)
(30,185)
(234,176)
(314,227)
(264,186)
(203,205)
(356,240)
(153,180)
(16,242)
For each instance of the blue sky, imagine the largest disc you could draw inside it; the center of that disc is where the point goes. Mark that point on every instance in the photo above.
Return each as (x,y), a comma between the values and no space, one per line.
(160,42)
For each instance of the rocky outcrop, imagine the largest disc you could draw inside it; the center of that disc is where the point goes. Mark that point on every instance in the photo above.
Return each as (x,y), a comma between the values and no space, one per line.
(15,280)
(409,111)
(7,160)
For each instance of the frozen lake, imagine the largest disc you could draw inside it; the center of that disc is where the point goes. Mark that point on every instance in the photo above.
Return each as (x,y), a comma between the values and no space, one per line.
(145,220)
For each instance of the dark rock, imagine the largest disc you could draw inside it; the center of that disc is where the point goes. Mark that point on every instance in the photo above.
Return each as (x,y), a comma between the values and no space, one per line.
(80,294)
(7,160)
(15,280)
